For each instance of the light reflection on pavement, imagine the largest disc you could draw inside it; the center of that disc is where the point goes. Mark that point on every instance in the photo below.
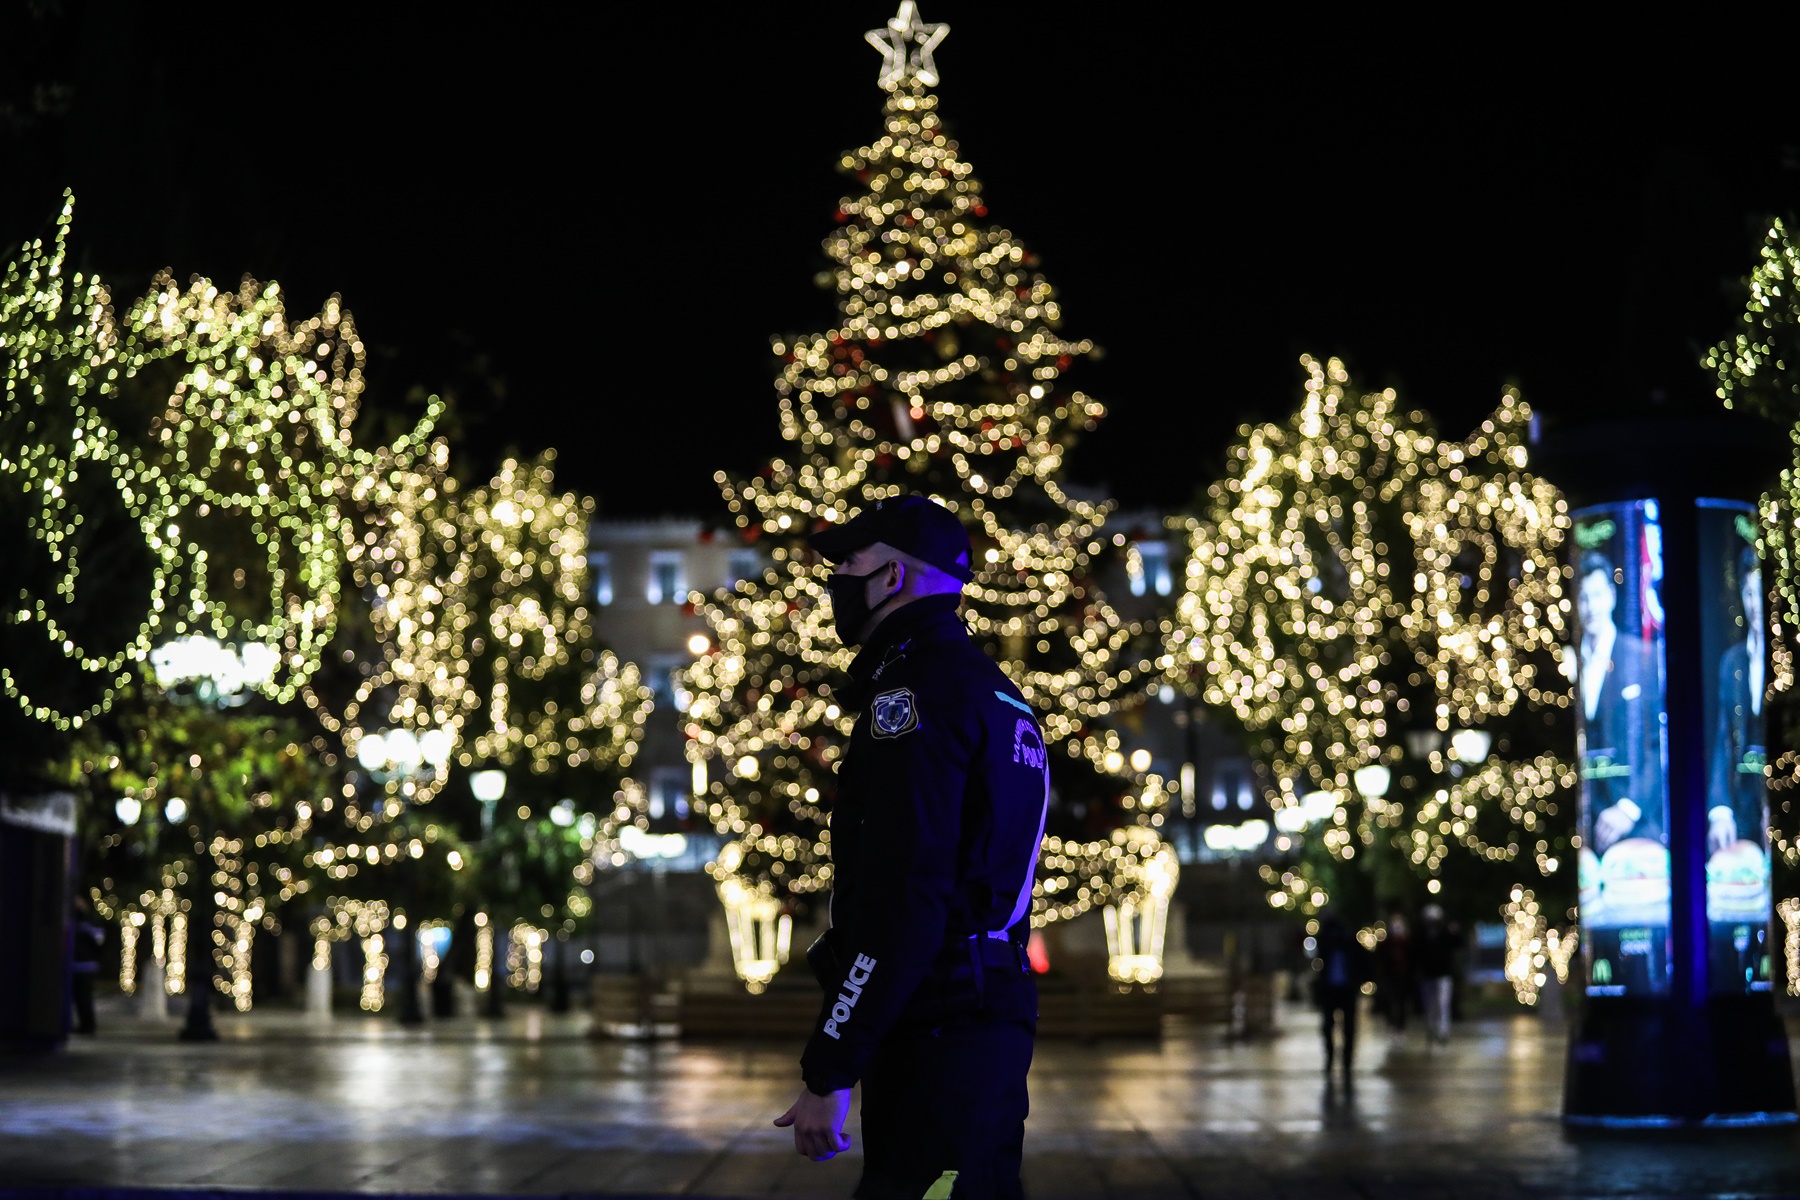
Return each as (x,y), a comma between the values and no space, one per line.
(530,1105)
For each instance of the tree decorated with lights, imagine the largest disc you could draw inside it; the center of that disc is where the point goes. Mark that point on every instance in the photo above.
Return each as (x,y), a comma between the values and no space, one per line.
(178,470)
(547,698)
(195,819)
(391,699)
(1758,370)
(209,422)
(1355,579)
(80,604)
(943,376)
(475,650)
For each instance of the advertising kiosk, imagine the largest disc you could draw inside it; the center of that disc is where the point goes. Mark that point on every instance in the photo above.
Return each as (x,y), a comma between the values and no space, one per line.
(1670,659)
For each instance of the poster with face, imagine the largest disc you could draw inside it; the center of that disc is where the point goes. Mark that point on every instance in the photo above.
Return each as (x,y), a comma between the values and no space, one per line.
(1733,656)
(1621,726)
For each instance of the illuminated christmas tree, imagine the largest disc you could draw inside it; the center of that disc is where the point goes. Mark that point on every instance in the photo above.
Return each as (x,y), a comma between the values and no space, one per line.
(1360,589)
(944,376)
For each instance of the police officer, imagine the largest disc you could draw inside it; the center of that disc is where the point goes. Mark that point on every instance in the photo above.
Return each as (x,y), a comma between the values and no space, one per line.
(941,799)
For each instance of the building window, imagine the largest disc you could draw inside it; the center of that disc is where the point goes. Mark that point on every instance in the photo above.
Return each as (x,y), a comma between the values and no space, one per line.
(741,565)
(1148,564)
(663,675)
(668,577)
(601,566)
(668,793)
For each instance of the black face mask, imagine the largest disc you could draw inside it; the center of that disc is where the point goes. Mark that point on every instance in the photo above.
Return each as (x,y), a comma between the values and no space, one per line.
(850,608)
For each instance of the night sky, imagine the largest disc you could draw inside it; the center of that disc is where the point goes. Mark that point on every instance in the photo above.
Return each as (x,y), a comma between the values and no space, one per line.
(587,221)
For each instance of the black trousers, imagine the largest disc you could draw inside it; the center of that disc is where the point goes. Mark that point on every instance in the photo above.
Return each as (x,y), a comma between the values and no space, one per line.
(946,1099)
(1334,1000)
(81,986)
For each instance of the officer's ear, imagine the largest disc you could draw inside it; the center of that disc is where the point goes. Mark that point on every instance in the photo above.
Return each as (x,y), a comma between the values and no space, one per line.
(896,576)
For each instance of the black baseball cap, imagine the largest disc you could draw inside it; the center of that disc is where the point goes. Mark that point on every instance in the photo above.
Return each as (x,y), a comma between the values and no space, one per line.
(916,525)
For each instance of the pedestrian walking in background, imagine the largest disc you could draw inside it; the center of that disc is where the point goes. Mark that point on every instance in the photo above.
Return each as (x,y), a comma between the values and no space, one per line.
(88,936)
(1394,985)
(1343,967)
(940,807)
(1434,955)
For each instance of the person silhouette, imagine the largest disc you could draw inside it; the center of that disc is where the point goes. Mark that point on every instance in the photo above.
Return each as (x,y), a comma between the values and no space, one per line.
(1342,967)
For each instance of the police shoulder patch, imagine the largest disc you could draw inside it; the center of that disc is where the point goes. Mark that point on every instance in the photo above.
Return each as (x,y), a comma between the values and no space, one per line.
(894,712)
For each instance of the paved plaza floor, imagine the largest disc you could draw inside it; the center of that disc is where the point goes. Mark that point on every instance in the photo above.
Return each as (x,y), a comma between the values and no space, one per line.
(532,1106)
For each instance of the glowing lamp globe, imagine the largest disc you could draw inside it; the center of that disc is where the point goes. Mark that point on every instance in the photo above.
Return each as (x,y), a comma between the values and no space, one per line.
(1372,781)
(372,751)
(1471,745)
(1318,806)
(488,785)
(435,746)
(403,750)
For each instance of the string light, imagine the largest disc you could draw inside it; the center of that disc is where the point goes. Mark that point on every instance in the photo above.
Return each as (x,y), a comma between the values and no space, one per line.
(943,376)
(1534,950)
(129,928)
(484,952)
(1789,909)
(525,956)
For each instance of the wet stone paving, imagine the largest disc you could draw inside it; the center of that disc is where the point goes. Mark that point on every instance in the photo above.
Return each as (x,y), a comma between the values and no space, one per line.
(532,1106)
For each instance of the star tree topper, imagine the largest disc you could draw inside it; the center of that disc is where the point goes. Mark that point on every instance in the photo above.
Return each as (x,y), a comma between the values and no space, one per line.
(906,45)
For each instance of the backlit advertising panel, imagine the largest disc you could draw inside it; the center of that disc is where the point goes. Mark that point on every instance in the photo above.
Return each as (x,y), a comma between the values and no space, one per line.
(1621,737)
(1734,654)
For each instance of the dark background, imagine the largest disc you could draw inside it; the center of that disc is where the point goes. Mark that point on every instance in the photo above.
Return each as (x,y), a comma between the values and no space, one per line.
(587,221)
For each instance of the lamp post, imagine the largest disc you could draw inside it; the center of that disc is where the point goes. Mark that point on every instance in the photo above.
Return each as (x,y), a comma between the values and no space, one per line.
(388,754)
(488,786)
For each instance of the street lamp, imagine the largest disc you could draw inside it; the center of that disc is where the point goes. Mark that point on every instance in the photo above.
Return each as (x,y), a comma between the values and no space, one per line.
(1372,781)
(488,785)
(128,809)
(404,754)
(1318,806)
(1471,745)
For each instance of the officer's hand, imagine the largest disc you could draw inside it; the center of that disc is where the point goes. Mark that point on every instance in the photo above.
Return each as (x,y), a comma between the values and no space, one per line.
(818,1123)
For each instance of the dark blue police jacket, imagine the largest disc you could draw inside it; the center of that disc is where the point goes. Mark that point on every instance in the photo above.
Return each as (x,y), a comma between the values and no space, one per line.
(940,809)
